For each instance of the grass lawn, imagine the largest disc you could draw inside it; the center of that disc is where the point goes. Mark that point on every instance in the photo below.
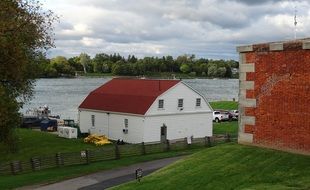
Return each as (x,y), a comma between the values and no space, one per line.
(35,143)
(226,127)
(231,166)
(225,105)
(60,174)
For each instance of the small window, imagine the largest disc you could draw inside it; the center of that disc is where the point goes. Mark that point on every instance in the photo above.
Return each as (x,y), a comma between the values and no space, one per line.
(160,104)
(198,102)
(126,123)
(93,120)
(180,103)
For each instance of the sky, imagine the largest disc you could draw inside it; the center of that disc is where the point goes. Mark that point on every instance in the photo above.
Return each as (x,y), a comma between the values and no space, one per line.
(207,28)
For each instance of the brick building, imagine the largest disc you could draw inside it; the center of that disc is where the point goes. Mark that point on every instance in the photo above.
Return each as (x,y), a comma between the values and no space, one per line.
(274,95)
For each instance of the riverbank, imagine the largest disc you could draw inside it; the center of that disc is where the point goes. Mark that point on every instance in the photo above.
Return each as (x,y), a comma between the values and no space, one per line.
(157,75)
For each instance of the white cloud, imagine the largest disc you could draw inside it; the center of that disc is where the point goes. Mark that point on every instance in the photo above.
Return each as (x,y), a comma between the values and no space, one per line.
(92,42)
(207,28)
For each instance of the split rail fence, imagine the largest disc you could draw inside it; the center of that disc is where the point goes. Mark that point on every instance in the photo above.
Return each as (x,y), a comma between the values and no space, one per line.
(106,153)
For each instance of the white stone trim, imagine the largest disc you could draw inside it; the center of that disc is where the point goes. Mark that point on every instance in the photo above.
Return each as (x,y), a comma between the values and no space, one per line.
(245,48)
(306,45)
(246,68)
(242,94)
(245,138)
(247,85)
(247,102)
(242,76)
(276,46)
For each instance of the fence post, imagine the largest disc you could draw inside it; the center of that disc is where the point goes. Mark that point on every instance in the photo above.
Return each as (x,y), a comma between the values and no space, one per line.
(87,156)
(59,159)
(143,149)
(16,167)
(227,137)
(35,163)
(185,142)
(167,145)
(117,154)
(209,142)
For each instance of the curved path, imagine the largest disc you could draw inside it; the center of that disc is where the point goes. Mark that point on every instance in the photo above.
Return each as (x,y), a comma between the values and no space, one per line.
(107,178)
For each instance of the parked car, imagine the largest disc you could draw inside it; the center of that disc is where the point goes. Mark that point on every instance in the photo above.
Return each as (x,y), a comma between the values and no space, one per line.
(235,114)
(49,125)
(31,122)
(219,116)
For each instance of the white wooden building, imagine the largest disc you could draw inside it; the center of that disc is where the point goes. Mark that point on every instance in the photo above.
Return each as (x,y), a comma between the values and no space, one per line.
(142,110)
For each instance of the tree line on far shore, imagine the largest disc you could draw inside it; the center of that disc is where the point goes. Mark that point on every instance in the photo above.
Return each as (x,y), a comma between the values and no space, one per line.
(116,64)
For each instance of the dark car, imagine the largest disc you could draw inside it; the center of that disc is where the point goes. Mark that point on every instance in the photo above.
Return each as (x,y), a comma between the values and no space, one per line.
(234,114)
(31,122)
(49,125)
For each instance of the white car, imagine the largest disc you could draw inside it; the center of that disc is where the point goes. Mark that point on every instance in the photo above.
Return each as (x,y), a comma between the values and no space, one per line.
(219,116)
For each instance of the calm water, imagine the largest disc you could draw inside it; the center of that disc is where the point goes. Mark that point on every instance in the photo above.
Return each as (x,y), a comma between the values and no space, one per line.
(63,96)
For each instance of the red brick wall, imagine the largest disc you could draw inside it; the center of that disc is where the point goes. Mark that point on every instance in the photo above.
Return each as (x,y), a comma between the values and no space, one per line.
(282,94)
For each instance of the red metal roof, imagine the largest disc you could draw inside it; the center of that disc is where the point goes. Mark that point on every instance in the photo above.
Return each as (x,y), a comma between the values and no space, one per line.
(127,95)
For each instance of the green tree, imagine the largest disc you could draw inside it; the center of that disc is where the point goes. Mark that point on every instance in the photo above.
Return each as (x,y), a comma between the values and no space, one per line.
(86,62)
(220,72)
(185,68)
(25,32)
(98,61)
(62,65)
(212,71)
(105,67)
(228,73)
(75,63)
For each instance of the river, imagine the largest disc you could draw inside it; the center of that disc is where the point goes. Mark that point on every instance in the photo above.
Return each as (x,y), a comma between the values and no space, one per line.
(63,96)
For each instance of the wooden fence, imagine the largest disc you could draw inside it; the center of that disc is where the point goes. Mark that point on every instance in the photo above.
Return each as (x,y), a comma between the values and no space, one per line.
(105,153)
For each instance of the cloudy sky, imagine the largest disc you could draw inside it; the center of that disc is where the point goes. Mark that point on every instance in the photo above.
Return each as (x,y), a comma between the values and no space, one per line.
(206,28)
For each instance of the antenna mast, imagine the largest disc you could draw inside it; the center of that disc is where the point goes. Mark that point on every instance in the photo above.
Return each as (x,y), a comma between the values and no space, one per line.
(295,23)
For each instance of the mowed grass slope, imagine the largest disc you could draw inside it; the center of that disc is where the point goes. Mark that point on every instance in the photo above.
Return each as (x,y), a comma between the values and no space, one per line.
(226,127)
(225,105)
(35,143)
(231,166)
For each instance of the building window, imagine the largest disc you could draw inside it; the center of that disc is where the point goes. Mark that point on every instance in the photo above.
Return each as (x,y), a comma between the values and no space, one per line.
(180,103)
(160,104)
(126,123)
(198,102)
(93,120)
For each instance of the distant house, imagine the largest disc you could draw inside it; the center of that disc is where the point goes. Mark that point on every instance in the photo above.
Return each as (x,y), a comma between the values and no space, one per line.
(234,71)
(139,110)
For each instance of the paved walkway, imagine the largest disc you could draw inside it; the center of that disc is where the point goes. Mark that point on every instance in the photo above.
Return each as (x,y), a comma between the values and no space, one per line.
(107,178)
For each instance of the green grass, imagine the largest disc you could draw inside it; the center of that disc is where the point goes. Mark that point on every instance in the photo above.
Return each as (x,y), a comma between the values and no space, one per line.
(231,166)
(60,174)
(35,143)
(226,127)
(226,105)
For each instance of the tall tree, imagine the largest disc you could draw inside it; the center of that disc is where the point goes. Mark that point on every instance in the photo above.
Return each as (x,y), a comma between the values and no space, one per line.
(25,31)
(85,61)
